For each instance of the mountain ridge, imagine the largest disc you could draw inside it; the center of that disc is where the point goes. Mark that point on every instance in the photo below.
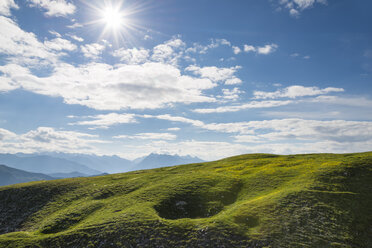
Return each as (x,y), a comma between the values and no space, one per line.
(89,164)
(44,164)
(10,176)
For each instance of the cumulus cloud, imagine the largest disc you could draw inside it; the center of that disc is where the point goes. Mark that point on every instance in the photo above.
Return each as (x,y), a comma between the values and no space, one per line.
(203,49)
(226,75)
(230,94)
(77,38)
(92,50)
(22,46)
(54,7)
(148,136)
(47,139)
(267,49)
(295,7)
(132,56)
(59,44)
(295,91)
(169,52)
(6,5)
(107,120)
(105,87)
(236,50)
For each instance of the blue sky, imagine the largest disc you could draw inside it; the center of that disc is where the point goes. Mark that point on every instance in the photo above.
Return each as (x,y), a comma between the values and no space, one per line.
(203,78)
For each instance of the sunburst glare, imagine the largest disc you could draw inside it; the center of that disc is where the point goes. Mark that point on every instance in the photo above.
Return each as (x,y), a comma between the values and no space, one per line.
(112,17)
(117,19)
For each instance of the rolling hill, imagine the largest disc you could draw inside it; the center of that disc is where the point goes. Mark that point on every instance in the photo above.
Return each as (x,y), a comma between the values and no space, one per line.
(155,160)
(12,176)
(255,200)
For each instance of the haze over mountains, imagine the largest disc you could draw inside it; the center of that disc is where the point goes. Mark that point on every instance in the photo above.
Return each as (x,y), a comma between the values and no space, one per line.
(63,165)
(12,176)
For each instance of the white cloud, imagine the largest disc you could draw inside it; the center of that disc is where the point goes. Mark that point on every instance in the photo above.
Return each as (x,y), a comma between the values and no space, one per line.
(59,44)
(286,130)
(203,49)
(236,50)
(6,5)
(174,129)
(294,13)
(132,56)
(169,52)
(295,7)
(47,139)
(297,55)
(233,81)
(105,87)
(54,7)
(147,37)
(273,136)
(6,134)
(237,127)
(346,101)
(181,119)
(226,75)
(286,136)
(231,94)
(22,46)
(56,34)
(267,49)
(294,92)
(77,38)
(92,50)
(250,105)
(148,136)
(75,25)
(107,120)
(249,48)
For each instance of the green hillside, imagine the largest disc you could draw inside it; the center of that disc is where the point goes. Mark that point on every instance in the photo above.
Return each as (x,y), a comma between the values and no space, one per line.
(257,200)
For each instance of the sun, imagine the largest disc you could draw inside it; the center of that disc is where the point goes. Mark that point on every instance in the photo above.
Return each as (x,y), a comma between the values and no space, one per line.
(112,17)
(118,19)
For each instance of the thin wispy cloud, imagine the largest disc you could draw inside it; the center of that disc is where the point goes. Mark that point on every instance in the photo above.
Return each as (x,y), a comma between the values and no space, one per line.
(54,8)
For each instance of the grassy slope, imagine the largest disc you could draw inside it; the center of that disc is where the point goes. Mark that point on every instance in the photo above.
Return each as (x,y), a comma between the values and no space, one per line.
(257,200)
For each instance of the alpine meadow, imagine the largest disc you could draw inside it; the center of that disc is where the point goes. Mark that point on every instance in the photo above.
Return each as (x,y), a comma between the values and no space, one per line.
(170,124)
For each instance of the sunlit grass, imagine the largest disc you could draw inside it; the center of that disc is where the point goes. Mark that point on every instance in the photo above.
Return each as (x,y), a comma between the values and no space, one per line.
(315,200)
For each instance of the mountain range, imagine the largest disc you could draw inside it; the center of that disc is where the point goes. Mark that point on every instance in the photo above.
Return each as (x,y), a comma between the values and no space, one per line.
(12,176)
(63,165)
(44,164)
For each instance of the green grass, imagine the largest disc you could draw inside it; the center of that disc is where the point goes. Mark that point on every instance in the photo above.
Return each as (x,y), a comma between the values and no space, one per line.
(256,200)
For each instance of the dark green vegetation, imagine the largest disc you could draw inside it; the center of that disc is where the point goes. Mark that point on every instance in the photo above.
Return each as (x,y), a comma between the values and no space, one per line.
(258,200)
(12,176)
